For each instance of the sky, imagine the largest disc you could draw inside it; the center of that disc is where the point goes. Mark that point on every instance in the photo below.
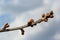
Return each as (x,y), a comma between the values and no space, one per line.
(18,12)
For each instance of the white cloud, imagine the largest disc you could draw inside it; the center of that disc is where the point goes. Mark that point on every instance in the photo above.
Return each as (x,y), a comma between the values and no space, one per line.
(18,6)
(46,2)
(57,36)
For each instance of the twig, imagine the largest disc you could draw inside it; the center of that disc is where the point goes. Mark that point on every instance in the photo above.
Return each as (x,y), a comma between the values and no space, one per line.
(30,23)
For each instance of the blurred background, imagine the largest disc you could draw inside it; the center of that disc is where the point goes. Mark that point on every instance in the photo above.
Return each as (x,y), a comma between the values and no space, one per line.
(18,12)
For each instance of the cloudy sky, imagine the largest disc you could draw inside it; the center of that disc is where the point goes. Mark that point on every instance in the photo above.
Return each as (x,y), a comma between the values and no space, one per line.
(18,12)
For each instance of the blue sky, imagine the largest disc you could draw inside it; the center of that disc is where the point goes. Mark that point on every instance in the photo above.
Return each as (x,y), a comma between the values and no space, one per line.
(18,12)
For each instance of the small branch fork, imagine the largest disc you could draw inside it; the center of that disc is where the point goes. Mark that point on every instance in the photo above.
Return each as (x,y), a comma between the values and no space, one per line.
(31,23)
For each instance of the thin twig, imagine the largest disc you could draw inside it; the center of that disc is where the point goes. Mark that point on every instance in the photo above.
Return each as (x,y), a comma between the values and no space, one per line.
(31,23)
(20,27)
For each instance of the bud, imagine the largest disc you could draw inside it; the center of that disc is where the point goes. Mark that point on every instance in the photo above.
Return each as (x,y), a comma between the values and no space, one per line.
(6,25)
(51,13)
(30,22)
(47,15)
(51,16)
(43,15)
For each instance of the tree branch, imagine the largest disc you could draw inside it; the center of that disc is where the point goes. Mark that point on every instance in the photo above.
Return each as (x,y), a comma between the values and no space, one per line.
(30,23)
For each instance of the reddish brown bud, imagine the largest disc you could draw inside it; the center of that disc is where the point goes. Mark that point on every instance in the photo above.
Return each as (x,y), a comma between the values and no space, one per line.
(51,16)
(43,15)
(47,15)
(30,22)
(51,13)
(6,25)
